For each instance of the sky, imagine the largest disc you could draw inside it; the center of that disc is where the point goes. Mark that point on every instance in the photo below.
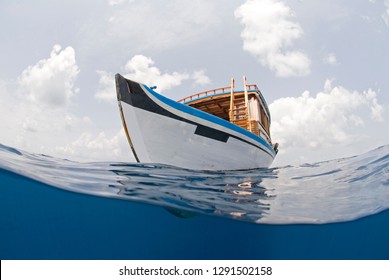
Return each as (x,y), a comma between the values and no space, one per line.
(322,66)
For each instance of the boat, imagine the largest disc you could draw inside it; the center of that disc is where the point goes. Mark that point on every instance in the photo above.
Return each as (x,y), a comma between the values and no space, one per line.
(219,129)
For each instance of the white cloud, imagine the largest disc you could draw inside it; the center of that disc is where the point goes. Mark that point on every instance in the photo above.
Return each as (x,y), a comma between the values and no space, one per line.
(100,147)
(37,118)
(200,78)
(51,81)
(54,129)
(268,33)
(106,89)
(118,2)
(141,68)
(330,59)
(376,109)
(8,105)
(45,90)
(385,16)
(334,116)
(36,109)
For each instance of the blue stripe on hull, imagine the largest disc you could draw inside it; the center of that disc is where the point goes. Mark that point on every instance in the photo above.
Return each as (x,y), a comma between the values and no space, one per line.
(210,118)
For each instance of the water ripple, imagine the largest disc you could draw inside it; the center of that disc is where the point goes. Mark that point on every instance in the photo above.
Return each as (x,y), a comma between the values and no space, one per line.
(325,192)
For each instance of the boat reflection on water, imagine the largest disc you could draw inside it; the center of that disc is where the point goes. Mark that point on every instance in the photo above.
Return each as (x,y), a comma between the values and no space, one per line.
(187,193)
(247,193)
(327,192)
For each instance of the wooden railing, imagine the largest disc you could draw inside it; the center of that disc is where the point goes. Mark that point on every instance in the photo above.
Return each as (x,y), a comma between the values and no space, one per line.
(213,92)
(205,94)
(262,132)
(252,87)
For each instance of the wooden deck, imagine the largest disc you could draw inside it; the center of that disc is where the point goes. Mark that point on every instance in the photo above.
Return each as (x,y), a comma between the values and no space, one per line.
(217,105)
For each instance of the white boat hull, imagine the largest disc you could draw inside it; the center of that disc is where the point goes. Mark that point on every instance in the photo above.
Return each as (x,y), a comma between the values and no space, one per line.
(163,131)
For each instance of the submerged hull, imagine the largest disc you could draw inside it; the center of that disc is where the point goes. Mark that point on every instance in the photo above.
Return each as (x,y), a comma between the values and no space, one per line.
(163,131)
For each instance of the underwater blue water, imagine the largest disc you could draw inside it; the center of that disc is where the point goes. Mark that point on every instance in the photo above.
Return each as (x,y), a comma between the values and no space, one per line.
(52,208)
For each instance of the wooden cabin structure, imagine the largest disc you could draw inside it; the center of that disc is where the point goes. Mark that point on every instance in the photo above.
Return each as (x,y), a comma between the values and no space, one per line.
(246,108)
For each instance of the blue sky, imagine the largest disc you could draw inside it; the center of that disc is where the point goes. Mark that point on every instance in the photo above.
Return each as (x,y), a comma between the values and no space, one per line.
(321,65)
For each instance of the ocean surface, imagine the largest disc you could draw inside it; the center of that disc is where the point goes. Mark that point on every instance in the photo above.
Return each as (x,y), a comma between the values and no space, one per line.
(52,208)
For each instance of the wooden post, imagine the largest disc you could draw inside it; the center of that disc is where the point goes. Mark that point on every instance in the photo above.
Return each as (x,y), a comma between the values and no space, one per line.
(246,99)
(232,100)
